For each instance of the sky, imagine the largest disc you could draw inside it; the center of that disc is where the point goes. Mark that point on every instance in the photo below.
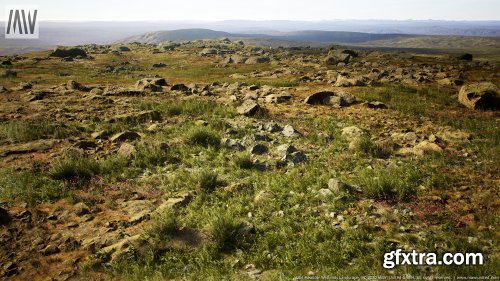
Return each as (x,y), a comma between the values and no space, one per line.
(215,10)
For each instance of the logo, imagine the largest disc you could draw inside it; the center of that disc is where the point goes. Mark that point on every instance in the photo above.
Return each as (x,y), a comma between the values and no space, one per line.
(21,22)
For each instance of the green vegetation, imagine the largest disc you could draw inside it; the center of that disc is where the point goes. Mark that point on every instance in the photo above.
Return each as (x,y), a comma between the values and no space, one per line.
(24,131)
(30,187)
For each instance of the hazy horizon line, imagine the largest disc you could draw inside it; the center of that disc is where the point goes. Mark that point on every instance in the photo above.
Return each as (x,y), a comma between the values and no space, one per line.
(266,20)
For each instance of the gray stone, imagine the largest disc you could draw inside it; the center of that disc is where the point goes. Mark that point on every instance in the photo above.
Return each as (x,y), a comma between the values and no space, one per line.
(290,132)
(258,149)
(125,136)
(295,157)
(233,144)
(126,150)
(352,132)
(249,108)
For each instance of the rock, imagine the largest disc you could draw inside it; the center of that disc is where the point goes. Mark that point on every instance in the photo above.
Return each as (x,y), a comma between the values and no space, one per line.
(425,147)
(484,95)
(73,85)
(337,56)
(50,250)
(125,136)
(130,92)
(319,98)
(272,127)
(375,105)
(233,144)
(325,192)
(118,250)
(236,59)
(278,98)
(62,52)
(126,150)
(352,132)
(249,108)
(454,136)
(137,117)
(80,209)
(255,60)
(23,86)
(467,57)
(8,73)
(38,95)
(95,243)
(179,87)
(343,81)
(258,149)
(208,52)
(285,149)
(179,200)
(289,132)
(85,145)
(101,135)
(338,187)
(121,48)
(346,98)
(33,146)
(404,138)
(151,84)
(295,157)
(4,216)
(159,65)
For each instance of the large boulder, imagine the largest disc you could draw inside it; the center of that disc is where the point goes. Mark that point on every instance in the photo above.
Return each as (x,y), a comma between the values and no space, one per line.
(484,95)
(255,60)
(208,52)
(151,84)
(8,73)
(319,98)
(337,56)
(62,52)
(249,108)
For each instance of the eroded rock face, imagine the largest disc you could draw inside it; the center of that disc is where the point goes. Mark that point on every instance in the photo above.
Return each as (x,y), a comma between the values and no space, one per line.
(484,95)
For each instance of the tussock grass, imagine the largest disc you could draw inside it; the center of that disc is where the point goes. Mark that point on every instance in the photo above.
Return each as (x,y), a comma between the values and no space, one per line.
(207,181)
(204,137)
(24,131)
(399,183)
(243,160)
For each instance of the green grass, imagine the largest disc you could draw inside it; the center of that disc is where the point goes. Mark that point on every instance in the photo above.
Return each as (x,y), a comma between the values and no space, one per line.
(243,160)
(365,145)
(190,107)
(204,137)
(224,232)
(399,183)
(208,181)
(24,131)
(150,155)
(30,187)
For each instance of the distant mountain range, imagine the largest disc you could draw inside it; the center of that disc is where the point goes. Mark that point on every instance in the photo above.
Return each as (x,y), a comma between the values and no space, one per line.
(313,36)
(319,38)
(54,33)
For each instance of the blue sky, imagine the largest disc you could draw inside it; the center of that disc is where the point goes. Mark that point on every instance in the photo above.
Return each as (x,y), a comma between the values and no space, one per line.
(310,10)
